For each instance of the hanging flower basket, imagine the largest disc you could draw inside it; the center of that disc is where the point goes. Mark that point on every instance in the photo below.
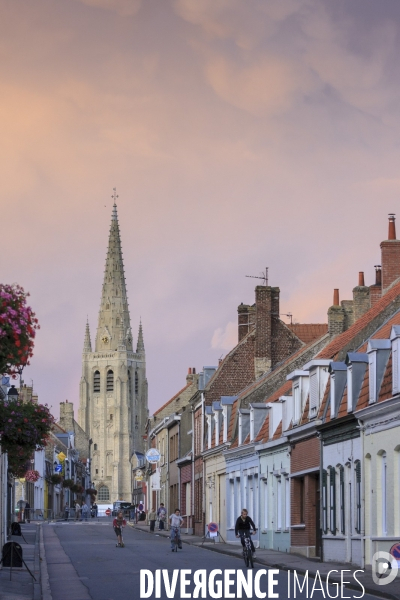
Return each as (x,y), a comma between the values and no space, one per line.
(68,483)
(56,479)
(32,476)
(76,489)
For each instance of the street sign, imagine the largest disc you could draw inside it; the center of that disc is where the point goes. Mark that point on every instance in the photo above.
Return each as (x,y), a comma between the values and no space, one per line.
(108,512)
(58,468)
(212,529)
(395,552)
(153,456)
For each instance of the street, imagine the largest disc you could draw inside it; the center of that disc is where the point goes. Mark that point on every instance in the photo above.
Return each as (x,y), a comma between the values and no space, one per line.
(84,563)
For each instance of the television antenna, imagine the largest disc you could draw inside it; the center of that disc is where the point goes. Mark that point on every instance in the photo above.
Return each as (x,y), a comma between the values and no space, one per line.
(263,276)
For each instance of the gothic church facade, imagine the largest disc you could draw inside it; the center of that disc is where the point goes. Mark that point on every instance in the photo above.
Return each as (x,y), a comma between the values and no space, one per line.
(113,388)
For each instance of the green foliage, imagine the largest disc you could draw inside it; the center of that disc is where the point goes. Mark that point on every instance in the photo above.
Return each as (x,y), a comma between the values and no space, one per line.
(24,428)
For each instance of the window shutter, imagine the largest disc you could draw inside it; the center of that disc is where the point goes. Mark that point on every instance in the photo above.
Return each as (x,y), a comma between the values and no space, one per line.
(358,496)
(324,501)
(332,499)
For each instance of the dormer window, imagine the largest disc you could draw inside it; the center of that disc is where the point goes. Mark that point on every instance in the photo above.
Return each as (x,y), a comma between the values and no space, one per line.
(395,339)
(300,389)
(357,363)
(319,374)
(378,355)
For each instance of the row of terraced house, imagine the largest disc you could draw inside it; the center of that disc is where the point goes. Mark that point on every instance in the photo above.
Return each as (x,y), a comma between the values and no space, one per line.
(300,424)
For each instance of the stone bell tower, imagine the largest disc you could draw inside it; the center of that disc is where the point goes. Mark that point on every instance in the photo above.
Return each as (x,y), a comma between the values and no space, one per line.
(113,388)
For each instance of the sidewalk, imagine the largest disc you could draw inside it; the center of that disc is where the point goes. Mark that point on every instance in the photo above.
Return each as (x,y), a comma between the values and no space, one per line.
(22,586)
(285,561)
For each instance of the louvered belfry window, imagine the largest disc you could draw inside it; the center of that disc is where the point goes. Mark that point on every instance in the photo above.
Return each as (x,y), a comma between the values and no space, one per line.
(96,382)
(110,381)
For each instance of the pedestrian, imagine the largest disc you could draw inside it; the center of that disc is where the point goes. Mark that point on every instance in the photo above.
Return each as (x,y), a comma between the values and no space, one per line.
(152,519)
(66,512)
(27,512)
(162,515)
(95,507)
(176,521)
(85,511)
(118,524)
(77,511)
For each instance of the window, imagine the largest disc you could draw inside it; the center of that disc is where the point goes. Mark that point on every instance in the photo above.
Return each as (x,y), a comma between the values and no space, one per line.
(358,496)
(111,417)
(313,394)
(136,383)
(96,382)
(107,306)
(383,493)
(332,499)
(97,471)
(129,384)
(104,494)
(279,504)
(232,501)
(297,407)
(372,377)
(173,447)
(94,446)
(265,504)
(110,381)
(118,321)
(287,503)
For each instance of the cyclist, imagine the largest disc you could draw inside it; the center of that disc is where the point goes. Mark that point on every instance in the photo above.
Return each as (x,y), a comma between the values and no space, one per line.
(176,521)
(244,524)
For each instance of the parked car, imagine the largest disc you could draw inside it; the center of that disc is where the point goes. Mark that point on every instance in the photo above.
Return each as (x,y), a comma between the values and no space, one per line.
(121,505)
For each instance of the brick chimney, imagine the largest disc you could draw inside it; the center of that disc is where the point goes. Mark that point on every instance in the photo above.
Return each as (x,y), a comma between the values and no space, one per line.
(390,252)
(267,311)
(375,291)
(336,316)
(191,374)
(361,297)
(246,319)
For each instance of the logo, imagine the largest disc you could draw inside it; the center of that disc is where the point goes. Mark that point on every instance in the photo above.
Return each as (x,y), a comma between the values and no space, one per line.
(153,456)
(384,568)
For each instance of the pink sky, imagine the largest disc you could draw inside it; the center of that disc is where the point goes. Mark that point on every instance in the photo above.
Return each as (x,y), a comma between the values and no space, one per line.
(239,134)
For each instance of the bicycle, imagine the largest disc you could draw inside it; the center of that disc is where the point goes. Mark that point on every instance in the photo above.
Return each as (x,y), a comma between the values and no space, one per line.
(247,552)
(175,541)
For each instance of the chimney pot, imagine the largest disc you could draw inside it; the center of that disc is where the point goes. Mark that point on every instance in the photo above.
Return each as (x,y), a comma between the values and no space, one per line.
(392,227)
(194,370)
(336,297)
(189,371)
(361,278)
(378,275)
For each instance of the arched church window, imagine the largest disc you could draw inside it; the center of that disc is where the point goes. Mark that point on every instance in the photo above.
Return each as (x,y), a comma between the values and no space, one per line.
(129,384)
(110,381)
(136,383)
(96,381)
(104,494)
(118,321)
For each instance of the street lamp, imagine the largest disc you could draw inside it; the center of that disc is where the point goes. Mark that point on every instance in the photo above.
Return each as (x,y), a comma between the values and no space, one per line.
(12,393)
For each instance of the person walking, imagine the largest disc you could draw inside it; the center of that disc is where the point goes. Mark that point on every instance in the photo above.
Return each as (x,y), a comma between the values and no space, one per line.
(162,515)
(152,519)
(27,512)
(66,512)
(85,512)
(77,511)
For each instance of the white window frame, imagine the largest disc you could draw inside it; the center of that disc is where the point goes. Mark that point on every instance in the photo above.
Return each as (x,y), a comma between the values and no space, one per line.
(278,504)
(287,503)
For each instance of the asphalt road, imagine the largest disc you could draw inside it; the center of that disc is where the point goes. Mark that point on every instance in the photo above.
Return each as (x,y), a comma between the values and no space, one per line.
(84,563)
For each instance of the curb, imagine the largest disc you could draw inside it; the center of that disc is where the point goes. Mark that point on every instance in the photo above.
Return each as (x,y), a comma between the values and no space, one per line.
(283,567)
(37,595)
(44,574)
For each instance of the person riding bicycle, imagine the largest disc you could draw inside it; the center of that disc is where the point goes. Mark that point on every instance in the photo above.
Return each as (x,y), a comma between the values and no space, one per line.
(118,523)
(244,524)
(176,521)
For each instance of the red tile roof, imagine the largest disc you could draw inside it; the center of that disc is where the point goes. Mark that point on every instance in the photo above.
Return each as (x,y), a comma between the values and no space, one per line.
(173,398)
(308,332)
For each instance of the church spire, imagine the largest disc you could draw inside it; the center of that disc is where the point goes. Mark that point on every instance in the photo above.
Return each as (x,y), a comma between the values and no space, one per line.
(140,342)
(87,344)
(114,313)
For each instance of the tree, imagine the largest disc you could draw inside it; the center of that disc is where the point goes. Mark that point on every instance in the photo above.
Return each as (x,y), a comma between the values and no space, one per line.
(18,324)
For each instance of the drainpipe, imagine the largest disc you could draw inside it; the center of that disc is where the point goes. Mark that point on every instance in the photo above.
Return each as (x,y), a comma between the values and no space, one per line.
(362,532)
(321,493)
(192,485)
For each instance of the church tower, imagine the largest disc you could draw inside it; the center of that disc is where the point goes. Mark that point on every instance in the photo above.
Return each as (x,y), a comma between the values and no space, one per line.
(113,389)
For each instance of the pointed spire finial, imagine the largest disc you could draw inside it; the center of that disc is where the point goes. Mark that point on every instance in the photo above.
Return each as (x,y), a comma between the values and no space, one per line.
(140,342)
(114,212)
(87,344)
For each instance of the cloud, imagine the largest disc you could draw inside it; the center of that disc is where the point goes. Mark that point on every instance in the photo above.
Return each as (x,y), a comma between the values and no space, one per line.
(225,339)
(125,8)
